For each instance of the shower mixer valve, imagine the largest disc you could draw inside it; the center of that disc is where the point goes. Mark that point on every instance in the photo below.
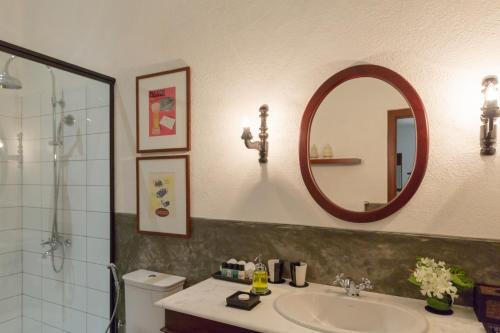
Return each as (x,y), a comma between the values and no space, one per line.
(54,243)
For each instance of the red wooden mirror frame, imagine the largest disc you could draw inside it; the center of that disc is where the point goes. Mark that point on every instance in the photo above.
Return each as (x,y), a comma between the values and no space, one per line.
(422,149)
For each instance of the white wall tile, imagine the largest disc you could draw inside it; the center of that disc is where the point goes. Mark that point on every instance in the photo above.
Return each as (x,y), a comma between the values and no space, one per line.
(31,173)
(10,263)
(97,94)
(32,308)
(98,172)
(98,120)
(52,291)
(98,225)
(98,198)
(31,128)
(32,196)
(74,222)
(10,308)
(75,297)
(98,303)
(96,324)
(11,326)
(10,218)
(10,286)
(9,150)
(75,272)
(31,150)
(74,197)
(75,321)
(49,329)
(10,105)
(32,285)
(10,241)
(32,218)
(47,270)
(98,251)
(47,173)
(9,127)
(75,99)
(78,248)
(32,240)
(98,147)
(31,105)
(74,172)
(10,195)
(98,277)
(32,263)
(10,173)
(74,148)
(31,326)
(52,314)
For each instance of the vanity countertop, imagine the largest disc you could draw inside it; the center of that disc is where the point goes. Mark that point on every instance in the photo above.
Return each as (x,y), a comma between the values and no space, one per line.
(207,299)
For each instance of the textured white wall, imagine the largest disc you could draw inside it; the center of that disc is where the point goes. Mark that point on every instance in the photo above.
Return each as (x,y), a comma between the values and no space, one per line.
(244,53)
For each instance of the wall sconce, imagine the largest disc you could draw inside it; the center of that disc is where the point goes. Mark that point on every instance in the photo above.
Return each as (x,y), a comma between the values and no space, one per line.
(490,112)
(262,145)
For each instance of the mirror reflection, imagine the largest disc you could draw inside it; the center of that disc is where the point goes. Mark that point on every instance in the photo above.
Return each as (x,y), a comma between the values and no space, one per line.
(362,144)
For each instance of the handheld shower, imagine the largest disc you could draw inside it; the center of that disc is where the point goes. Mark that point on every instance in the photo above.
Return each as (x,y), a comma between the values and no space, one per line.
(112,268)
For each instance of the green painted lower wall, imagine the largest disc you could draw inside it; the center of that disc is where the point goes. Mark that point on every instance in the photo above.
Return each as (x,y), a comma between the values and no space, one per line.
(385,258)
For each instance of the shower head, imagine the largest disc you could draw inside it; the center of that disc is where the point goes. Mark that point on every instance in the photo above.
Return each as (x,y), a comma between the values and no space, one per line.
(69,120)
(6,80)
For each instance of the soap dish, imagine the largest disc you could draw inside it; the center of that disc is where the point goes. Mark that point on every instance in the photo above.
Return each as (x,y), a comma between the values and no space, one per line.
(233,301)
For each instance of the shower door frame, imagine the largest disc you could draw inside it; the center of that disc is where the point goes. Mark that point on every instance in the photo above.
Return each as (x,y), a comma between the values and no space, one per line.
(68,67)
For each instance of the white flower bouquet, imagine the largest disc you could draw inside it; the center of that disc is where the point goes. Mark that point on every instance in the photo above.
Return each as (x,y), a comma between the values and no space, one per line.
(439,282)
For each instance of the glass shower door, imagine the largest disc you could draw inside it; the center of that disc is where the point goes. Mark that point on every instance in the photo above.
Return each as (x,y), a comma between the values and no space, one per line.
(55,201)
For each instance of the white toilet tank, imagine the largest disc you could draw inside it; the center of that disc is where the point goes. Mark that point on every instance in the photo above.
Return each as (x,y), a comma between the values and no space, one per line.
(142,289)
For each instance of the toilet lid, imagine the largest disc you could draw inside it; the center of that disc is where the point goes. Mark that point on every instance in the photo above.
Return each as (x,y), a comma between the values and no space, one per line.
(154,281)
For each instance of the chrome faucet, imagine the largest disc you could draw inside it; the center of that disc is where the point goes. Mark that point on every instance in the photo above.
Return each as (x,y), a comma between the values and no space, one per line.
(351,288)
(54,243)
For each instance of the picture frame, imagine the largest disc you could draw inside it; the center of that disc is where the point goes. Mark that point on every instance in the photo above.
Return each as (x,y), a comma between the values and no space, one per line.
(163,111)
(163,195)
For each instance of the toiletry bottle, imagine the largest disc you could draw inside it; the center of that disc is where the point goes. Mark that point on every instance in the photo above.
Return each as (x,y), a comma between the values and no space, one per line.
(223,269)
(241,272)
(229,271)
(236,270)
(259,279)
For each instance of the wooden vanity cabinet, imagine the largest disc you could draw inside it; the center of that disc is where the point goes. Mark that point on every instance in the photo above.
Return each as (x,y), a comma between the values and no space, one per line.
(177,322)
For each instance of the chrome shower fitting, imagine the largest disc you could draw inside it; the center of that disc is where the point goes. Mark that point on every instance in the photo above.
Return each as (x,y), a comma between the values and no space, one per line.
(7,81)
(54,244)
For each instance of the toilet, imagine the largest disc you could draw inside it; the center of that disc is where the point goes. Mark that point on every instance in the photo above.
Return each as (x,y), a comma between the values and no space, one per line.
(142,289)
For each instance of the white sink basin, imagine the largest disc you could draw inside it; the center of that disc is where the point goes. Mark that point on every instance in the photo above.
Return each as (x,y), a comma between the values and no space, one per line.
(335,313)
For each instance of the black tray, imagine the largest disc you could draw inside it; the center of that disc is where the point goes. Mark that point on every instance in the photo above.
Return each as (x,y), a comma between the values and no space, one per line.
(233,301)
(217,275)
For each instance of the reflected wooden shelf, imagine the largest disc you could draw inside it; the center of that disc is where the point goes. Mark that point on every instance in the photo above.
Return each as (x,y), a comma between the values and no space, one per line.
(336,161)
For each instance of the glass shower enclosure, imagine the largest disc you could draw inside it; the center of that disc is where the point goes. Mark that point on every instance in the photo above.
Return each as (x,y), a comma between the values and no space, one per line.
(56,188)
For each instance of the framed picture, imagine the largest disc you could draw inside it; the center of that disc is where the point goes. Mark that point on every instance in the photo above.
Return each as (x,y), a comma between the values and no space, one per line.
(163,203)
(163,111)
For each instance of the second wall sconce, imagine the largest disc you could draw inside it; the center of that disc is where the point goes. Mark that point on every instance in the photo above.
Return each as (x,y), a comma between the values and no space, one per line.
(262,145)
(490,112)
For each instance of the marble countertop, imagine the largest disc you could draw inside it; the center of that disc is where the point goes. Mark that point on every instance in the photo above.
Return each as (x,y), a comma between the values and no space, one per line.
(207,299)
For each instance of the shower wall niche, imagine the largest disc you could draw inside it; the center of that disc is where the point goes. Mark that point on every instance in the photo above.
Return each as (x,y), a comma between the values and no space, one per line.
(55,201)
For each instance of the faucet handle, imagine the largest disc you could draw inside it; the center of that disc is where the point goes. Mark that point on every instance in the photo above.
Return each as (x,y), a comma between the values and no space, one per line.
(365,284)
(339,279)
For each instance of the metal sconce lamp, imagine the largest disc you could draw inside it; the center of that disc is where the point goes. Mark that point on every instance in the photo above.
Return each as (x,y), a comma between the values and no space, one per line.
(262,145)
(490,112)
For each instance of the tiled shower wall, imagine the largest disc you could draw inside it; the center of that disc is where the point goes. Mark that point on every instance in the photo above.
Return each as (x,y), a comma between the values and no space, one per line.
(75,300)
(10,213)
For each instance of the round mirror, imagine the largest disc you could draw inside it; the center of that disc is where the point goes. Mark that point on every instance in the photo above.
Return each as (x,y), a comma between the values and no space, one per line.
(363,143)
